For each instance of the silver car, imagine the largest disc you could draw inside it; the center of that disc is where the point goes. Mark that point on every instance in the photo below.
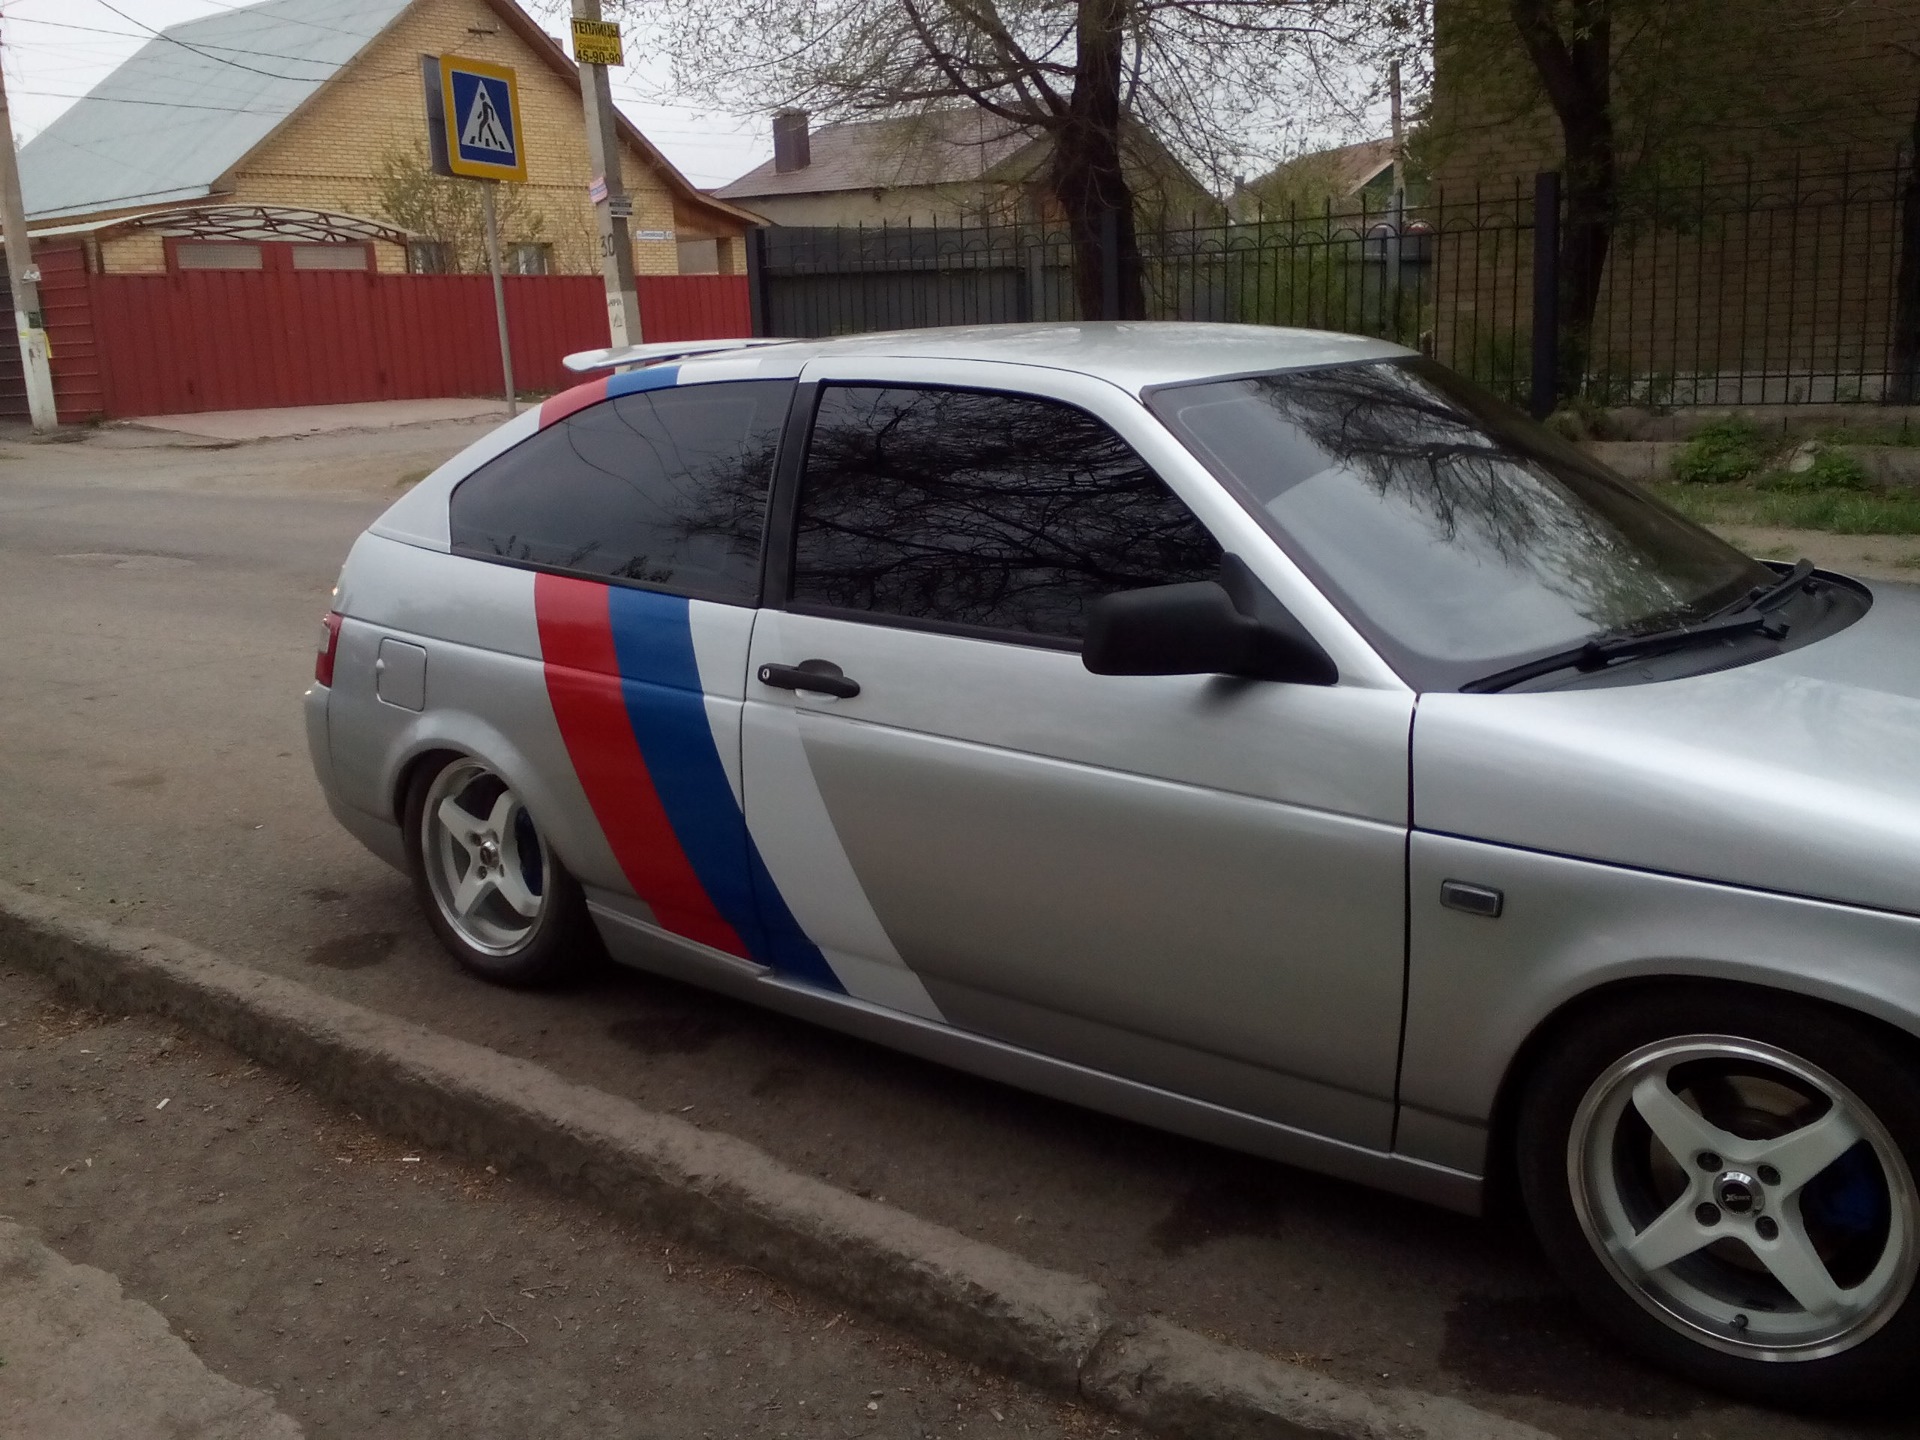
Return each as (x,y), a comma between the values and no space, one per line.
(1256,733)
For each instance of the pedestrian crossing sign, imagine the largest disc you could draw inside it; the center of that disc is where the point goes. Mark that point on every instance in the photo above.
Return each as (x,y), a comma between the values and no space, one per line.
(482,108)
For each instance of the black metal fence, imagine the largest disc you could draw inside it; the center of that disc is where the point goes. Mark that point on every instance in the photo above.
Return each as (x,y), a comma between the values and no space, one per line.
(1755,290)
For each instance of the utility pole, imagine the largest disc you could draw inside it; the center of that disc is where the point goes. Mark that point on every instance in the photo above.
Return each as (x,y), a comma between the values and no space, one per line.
(1396,206)
(1399,131)
(25,277)
(611,204)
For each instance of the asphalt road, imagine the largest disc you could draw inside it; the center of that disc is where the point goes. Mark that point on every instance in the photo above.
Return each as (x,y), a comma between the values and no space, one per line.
(160,609)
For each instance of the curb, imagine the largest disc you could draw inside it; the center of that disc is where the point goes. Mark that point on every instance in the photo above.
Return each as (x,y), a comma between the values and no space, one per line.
(971,1299)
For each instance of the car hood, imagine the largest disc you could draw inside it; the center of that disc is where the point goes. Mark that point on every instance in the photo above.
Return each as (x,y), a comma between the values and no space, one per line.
(1799,773)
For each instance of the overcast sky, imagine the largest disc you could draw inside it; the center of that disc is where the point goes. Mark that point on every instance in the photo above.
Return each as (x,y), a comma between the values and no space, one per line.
(57,50)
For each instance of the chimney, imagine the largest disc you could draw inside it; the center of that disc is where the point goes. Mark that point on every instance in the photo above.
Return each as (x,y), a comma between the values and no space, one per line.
(791,150)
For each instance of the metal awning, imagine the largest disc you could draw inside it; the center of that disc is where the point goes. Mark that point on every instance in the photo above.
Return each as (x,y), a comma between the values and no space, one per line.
(240,222)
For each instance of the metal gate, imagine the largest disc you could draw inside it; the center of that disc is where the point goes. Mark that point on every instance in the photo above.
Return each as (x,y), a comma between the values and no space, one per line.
(13,378)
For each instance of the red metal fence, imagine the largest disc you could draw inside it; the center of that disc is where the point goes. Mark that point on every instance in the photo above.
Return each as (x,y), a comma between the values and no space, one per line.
(223,340)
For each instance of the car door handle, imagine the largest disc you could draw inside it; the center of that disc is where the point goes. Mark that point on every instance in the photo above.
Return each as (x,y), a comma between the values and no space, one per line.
(821,676)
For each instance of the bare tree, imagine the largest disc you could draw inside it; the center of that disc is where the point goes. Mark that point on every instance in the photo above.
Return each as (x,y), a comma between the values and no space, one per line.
(449,211)
(1202,76)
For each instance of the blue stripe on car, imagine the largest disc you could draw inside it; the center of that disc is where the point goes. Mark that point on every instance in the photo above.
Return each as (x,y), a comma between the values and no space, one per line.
(653,377)
(660,682)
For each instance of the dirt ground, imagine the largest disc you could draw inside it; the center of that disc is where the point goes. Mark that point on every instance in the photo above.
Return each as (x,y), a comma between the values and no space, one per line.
(1872,557)
(379,1291)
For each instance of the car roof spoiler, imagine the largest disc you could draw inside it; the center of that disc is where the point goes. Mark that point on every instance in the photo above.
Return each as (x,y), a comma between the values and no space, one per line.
(585,361)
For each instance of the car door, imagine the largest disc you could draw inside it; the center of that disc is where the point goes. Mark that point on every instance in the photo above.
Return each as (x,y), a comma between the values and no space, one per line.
(1191,881)
(640,511)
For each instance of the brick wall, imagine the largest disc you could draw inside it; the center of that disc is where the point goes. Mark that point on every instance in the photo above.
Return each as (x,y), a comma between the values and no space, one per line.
(1840,91)
(1772,278)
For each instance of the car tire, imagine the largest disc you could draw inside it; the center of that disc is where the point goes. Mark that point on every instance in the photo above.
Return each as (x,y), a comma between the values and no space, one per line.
(1725,1178)
(491,886)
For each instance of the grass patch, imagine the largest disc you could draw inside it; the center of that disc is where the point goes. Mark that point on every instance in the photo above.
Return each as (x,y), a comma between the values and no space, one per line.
(1905,433)
(1840,512)
(1829,470)
(1723,453)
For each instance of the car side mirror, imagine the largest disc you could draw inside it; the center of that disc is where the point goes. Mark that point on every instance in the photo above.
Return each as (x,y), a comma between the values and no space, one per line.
(1229,626)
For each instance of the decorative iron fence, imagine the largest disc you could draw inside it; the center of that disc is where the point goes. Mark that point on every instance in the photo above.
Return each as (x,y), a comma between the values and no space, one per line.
(1755,290)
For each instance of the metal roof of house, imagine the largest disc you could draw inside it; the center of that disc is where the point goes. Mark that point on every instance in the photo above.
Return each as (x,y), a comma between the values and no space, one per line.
(184,110)
(941,147)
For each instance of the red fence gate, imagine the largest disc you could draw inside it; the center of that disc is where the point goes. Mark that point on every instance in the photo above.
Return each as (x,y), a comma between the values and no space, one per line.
(224,340)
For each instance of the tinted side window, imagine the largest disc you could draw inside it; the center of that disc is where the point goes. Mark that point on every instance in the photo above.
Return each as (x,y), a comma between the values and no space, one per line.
(994,511)
(665,487)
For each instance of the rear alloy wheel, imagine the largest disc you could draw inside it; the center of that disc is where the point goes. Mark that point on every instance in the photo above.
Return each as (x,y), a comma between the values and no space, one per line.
(1729,1186)
(492,888)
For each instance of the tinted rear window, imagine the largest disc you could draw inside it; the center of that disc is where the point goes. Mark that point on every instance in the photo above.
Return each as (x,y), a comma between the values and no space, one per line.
(664,488)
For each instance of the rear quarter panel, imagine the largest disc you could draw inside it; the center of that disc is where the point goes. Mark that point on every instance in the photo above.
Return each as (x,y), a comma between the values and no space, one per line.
(486,691)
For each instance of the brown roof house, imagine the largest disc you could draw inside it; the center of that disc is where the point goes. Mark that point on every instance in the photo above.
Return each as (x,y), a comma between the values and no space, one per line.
(292,132)
(1348,177)
(946,165)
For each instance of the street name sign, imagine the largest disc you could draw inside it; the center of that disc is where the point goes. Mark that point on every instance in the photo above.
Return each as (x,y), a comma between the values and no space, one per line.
(597,42)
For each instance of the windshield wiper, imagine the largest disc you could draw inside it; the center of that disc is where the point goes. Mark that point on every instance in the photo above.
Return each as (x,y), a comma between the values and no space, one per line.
(1752,612)
(1765,598)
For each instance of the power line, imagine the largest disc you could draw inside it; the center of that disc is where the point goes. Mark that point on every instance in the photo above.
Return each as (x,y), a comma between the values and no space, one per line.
(155,34)
(221,59)
(163,104)
(294,19)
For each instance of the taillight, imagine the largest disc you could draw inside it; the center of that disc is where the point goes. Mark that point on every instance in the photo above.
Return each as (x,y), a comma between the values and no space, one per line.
(329,643)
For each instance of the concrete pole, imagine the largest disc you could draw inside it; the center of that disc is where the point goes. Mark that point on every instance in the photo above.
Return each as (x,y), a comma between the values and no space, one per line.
(499,291)
(26,279)
(1396,208)
(612,207)
(1399,131)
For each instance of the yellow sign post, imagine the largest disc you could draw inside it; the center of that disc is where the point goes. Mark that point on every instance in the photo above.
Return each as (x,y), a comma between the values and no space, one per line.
(597,42)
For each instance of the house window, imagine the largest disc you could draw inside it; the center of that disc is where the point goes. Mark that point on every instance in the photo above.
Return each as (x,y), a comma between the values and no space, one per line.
(330,257)
(699,257)
(429,257)
(529,259)
(218,255)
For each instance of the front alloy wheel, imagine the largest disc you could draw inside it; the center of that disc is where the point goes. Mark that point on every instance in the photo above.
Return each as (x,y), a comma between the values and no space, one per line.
(1727,1180)
(1744,1197)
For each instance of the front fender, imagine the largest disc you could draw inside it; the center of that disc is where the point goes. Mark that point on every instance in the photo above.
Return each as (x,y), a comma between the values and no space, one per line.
(1479,988)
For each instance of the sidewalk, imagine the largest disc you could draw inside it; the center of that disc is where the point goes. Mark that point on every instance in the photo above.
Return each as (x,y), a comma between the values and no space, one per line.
(84,1362)
(319,419)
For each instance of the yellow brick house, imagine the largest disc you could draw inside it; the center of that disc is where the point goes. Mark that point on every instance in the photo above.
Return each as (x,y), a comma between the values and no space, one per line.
(272,135)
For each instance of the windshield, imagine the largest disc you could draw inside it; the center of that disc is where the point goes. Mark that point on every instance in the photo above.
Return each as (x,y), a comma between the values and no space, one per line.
(1458,535)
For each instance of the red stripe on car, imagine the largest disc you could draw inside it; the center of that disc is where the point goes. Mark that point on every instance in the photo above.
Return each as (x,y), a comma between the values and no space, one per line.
(556,408)
(584,685)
